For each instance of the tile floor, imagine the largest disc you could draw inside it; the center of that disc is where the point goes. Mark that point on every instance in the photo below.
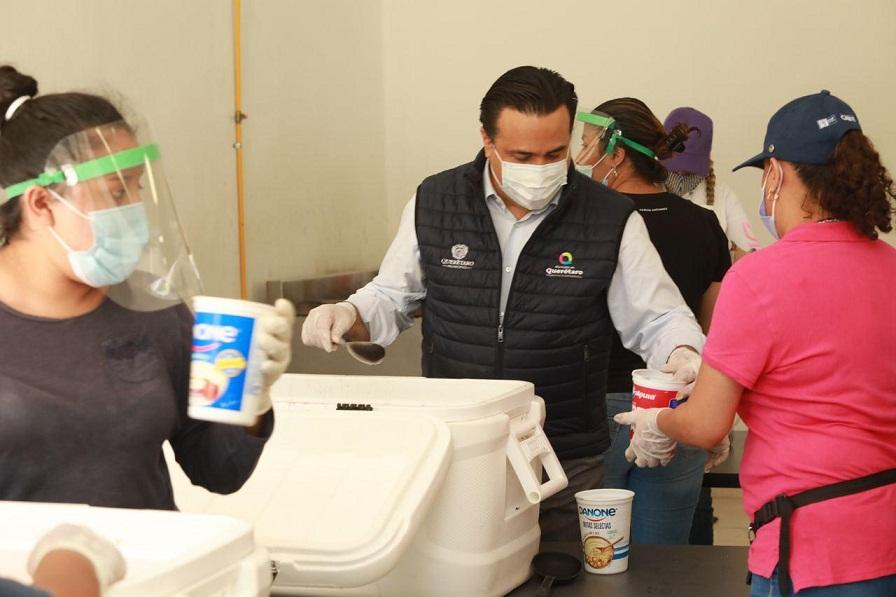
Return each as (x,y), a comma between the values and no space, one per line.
(731,528)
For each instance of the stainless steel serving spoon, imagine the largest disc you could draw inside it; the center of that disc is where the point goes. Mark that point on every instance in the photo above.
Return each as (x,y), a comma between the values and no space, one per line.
(368,353)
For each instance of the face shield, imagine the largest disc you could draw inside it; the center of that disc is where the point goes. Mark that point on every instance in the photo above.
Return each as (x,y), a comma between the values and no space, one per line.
(593,130)
(130,240)
(588,131)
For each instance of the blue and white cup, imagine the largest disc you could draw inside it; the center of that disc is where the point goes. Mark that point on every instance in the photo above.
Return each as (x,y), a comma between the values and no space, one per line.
(605,521)
(225,370)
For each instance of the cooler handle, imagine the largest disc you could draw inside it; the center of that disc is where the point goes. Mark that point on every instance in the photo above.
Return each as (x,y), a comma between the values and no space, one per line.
(521,452)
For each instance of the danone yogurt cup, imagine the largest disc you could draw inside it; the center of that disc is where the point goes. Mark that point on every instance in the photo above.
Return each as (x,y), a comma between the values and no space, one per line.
(225,371)
(654,389)
(605,517)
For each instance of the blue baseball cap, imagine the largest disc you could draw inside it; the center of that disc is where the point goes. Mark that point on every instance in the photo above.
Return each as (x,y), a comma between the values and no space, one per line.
(806,130)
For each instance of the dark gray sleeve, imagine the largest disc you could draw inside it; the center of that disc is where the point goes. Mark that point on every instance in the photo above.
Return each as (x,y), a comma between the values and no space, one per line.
(10,588)
(215,456)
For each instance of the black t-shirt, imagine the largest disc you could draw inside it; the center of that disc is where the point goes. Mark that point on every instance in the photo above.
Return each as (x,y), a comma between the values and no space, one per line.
(86,403)
(694,251)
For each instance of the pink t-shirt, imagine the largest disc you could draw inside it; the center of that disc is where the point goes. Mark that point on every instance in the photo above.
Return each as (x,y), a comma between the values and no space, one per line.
(808,327)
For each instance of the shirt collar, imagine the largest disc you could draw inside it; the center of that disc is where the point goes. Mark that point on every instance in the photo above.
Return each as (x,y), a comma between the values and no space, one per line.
(824,232)
(488,190)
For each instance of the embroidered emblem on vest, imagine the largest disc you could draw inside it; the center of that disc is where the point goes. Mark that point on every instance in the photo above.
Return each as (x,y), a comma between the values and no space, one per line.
(565,268)
(458,252)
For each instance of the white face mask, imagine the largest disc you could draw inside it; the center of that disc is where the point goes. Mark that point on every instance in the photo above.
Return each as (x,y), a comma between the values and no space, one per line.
(589,170)
(530,186)
(768,220)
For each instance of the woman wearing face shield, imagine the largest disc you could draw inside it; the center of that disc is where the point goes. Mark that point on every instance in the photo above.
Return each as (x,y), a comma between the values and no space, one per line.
(622,145)
(801,349)
(94,371)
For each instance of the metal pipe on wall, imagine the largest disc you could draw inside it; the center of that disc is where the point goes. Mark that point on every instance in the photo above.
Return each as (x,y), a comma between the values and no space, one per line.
(238,117)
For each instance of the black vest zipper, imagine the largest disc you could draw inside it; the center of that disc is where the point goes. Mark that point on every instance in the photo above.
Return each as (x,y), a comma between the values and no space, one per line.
(499,347)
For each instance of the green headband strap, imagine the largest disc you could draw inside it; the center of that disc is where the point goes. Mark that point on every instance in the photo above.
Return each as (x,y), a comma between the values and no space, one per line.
(595,119)
(607,122)
(637,146)
(617,137)
(73,174)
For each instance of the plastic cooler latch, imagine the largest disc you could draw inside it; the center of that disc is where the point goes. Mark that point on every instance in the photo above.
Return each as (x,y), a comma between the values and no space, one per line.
(527,443)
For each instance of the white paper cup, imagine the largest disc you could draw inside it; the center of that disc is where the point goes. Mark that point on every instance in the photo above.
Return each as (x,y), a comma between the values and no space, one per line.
(225,370)
(605,521)
(654,389)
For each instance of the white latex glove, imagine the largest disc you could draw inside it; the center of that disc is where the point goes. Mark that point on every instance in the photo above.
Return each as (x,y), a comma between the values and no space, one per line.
(275,340)
(107,561)
(649,447)
(327,324)
(718,454)
(683,364)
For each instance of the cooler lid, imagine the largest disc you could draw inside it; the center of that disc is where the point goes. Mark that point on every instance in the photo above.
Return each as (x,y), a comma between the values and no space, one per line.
(448,399)
(338,496)
(166,552)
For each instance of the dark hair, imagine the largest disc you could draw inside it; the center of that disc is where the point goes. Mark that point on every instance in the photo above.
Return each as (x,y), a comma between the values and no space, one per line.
(710,185)
(27,139)
(853,186)
(530,90)
(636,122)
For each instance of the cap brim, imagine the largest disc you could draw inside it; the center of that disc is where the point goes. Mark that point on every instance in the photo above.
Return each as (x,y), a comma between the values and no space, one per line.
(757,161)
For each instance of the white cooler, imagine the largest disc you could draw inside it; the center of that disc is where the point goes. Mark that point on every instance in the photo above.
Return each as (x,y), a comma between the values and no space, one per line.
(396,486)
(168,554)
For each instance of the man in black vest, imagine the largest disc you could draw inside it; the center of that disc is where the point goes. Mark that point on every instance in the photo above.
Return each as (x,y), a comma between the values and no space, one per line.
(525,267)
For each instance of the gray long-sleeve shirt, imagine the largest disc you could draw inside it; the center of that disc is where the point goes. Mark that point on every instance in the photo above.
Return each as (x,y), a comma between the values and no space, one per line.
(86,403)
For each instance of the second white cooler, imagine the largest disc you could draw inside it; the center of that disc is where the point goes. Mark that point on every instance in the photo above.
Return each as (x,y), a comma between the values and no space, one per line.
(396,486)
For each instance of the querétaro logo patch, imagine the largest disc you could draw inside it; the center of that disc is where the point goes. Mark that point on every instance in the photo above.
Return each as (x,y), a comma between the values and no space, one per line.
(565,267)
(458,258)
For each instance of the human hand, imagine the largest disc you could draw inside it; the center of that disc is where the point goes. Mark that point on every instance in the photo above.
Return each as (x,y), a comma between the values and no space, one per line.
(327,324)
(108,563)
(683,364)
(718,454)
(275,340)
(649,447)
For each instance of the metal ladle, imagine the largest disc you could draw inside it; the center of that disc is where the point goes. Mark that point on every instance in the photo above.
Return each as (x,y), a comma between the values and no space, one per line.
(369,353)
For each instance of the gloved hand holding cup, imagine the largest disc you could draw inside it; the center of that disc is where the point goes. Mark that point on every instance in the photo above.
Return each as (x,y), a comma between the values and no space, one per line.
(649,446)
(240,349)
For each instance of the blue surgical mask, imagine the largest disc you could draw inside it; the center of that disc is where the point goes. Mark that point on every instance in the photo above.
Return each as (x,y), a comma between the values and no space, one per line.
(769,220)
(119,236)
(589,170)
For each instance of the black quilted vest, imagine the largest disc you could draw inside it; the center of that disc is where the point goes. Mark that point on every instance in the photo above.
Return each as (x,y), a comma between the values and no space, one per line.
(556,330)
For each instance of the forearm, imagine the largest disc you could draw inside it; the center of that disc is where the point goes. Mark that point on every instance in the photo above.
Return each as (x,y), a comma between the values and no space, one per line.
(220,457)
(358,331)
(706,417)
(64,573)
(707,305)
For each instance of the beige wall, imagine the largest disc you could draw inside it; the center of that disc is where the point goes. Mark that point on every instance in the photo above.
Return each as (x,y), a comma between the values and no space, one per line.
(315,167)
(352,102)
(737,61)
(170,63)
(313,142)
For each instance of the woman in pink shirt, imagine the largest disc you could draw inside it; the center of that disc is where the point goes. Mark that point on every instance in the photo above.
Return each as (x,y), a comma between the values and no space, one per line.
(801,348)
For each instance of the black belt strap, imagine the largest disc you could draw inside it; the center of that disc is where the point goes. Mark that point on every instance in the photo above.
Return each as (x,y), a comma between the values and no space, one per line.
(783,506)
